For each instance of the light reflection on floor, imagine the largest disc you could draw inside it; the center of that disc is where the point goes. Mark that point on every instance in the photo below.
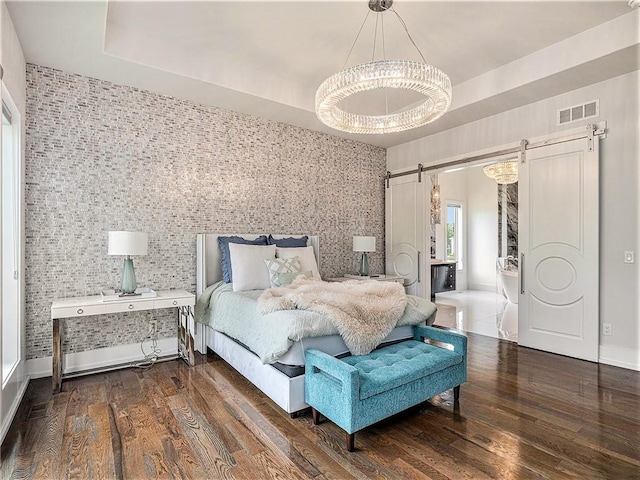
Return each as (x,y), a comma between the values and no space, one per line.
(477,311)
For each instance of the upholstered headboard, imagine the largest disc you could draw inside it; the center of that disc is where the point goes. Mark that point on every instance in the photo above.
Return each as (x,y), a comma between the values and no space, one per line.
(208,269)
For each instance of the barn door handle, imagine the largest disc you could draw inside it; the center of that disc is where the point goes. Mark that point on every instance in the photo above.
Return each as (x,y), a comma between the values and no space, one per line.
(522,273)
(418,266)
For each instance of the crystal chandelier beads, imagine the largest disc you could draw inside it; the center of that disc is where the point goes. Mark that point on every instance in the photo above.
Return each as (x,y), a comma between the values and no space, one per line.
(427,80)
(503,173)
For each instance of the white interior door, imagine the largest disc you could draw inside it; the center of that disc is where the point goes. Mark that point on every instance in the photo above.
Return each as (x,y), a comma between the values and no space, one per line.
(558,243)
(406,211)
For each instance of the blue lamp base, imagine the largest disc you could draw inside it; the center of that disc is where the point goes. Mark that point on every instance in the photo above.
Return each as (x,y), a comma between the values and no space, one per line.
(364,265)
(129,284)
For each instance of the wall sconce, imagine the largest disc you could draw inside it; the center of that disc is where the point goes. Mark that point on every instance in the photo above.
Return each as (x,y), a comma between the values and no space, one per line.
(435,200)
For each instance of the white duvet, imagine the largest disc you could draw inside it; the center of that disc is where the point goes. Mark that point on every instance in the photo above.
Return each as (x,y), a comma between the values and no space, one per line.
(270,336)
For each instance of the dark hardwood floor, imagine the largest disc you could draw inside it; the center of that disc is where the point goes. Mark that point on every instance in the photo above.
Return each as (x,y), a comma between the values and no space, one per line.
(523,414)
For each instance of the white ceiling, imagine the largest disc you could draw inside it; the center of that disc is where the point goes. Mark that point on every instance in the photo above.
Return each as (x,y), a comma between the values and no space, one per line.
(268,58)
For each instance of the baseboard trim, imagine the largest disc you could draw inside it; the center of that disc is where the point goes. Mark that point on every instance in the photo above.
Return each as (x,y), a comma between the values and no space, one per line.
(623,357)
(99,358)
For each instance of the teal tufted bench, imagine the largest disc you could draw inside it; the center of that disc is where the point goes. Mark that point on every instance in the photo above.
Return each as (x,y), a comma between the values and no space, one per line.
(358,391)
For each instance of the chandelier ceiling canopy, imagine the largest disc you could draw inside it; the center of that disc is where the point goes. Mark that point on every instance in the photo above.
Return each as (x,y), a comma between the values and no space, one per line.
(503,173)
(433,86)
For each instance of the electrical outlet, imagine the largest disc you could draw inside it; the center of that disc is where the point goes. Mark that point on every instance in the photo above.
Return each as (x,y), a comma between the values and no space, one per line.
(606,329)
(629,256)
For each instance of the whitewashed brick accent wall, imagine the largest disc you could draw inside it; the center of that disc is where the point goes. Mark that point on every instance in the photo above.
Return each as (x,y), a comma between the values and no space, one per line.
(102,157)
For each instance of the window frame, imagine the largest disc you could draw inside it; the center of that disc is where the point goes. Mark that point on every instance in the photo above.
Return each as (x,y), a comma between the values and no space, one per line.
(459,234)
(15,221)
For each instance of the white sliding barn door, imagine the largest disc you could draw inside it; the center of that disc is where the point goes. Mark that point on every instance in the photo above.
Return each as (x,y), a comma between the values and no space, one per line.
(558,243)
(406,220)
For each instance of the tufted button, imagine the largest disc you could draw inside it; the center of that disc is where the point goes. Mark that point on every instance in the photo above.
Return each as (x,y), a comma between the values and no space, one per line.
(130,306)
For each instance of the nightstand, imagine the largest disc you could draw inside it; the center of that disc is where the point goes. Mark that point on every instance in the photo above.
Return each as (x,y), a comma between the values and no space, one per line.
(443,278)
(379,278)
(181,300)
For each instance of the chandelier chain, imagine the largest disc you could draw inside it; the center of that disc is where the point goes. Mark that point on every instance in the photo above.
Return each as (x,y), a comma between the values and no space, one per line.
(356,40)
(375,39)
(384,53)
(384,57)
(404,25)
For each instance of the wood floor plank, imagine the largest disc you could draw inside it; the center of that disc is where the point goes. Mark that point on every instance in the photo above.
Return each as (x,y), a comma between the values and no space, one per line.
(501,446)
(411,471)
(277,468)
(410,466)
(546,439)
(75,449)
(207,400)
(443,464)
(47,458)
(523,414)
(303,442)
(211,454)
(100,449)
(246,468)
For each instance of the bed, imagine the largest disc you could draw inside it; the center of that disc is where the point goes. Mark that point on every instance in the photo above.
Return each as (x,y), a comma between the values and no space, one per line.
(279,375)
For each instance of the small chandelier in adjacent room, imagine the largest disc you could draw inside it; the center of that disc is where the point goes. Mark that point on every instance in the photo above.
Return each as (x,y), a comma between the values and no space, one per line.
(503,173)
(435,200)
(432,84)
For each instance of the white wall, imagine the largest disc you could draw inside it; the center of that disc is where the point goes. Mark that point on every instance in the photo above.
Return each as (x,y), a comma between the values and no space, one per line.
(453,188)
(482,228)
(14,66)
(619,182)
(12,60)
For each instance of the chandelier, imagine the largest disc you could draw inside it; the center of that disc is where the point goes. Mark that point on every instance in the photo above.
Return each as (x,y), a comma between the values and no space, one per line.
(427,80)
(503,173)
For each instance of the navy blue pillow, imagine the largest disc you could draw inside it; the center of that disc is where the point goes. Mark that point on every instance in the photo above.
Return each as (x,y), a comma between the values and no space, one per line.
(289,242)
(225,256)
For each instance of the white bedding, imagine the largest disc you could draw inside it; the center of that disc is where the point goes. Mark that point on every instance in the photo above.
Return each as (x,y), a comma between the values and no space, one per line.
(271,336)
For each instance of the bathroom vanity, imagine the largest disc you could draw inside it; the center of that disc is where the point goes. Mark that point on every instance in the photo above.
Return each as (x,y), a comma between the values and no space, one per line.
(443,277)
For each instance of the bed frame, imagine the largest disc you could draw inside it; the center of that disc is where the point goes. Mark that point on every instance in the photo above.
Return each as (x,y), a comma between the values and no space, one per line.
(287,392)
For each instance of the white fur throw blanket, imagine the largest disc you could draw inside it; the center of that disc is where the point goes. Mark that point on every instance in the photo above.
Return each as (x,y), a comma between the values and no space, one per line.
(364,312)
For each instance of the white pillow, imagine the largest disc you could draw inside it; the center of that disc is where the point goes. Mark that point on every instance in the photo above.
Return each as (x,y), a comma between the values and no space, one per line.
(282,271)
(304,254)
(247,266)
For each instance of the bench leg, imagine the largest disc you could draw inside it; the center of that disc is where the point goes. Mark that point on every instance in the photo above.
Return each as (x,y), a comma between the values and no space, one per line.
(315,414)
(456,394)
(351,440)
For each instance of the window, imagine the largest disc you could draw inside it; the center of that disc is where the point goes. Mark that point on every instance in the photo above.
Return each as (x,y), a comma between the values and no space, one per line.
(454,234)
(10,190)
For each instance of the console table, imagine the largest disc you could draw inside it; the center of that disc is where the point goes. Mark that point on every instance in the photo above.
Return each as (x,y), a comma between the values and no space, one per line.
(93,305)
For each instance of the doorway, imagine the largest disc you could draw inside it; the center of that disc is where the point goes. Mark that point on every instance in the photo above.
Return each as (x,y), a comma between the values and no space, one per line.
(474,221)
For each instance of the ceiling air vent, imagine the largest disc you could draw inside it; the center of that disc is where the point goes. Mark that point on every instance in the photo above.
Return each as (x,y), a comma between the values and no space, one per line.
(579,112)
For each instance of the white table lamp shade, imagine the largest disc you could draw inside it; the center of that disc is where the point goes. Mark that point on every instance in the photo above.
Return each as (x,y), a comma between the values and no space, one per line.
(364,244)
(128,243)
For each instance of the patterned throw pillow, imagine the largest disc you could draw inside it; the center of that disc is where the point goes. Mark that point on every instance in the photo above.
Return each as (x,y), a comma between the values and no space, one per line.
(282,271)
